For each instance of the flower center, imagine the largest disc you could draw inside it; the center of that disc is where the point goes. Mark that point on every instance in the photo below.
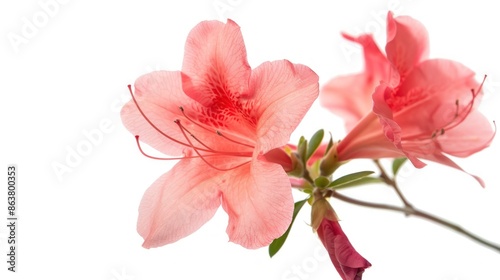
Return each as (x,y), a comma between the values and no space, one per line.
(460,113)
(201,149)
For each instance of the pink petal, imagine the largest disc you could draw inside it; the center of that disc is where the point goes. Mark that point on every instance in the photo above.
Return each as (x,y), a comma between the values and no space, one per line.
(350,96)
(259,203)
(178,203)
(367,140)
(279,156)
(471,136)
(215,63)
(346,96)
(407,43)
(349,263)
(159,95)
(432,90)
(442,159)
(284,92)
(391,129)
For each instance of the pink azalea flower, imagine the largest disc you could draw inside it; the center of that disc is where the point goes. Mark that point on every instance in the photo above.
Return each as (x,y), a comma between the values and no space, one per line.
(226,120)
(350,96)
(422,108)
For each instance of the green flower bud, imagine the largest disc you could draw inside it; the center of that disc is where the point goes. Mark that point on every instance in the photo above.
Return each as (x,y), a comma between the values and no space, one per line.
(330,162)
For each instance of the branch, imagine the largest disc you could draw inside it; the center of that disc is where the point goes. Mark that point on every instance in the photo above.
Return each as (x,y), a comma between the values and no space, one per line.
(392,182)
(411,211)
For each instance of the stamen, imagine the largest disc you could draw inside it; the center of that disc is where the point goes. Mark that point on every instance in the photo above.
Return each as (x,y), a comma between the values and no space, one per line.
(460,116)
(157,129)
(198,140)
(218,132)
(196,150)
(170,158)
(234,141)
(191,120)
(146,155)
(211,152)
(151,123)
(482,83)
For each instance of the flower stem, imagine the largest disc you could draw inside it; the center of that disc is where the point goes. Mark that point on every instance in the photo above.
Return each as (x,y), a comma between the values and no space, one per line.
(412,211)
(392,182)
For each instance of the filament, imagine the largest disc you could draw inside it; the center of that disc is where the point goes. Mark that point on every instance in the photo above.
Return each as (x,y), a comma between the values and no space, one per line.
(151,123)
(231,140)
(169,158)
(181,127)
(217,131)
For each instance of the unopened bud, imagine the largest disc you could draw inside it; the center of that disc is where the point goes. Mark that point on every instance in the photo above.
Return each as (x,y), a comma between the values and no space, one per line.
(321,209)
(330,162)
(297,165)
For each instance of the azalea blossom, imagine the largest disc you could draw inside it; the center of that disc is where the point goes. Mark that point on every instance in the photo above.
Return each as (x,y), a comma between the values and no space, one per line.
(421,108)
(349,96)
(347,261)
(227,123)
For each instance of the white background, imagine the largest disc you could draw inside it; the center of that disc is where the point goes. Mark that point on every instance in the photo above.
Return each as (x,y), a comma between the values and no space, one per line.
(69,76)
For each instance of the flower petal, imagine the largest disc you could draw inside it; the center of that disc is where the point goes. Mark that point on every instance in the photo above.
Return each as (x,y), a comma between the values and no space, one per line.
(471,136)
(215,63)
(178,203)
(283,93)
(259,203)
(349,263)
(367,140)
(433,89)
(350,96)
(442,159)
(159,95)
(407,43)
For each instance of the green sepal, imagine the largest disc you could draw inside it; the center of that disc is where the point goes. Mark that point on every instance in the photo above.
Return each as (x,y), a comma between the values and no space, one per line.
(329,163)
(314,143)
(276,245)
(359,182)
(397,163)
(349,179)
(298,166)
(330,144)
(314,169)
(302,149)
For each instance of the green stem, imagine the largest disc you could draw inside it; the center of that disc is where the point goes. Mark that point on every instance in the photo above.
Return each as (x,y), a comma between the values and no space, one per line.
(411,211)
(392,182)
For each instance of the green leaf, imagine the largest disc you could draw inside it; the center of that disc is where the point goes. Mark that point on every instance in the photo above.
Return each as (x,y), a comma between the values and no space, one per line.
(276,245)
(359,182)
(349,178)
(396,165)
(314,143)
